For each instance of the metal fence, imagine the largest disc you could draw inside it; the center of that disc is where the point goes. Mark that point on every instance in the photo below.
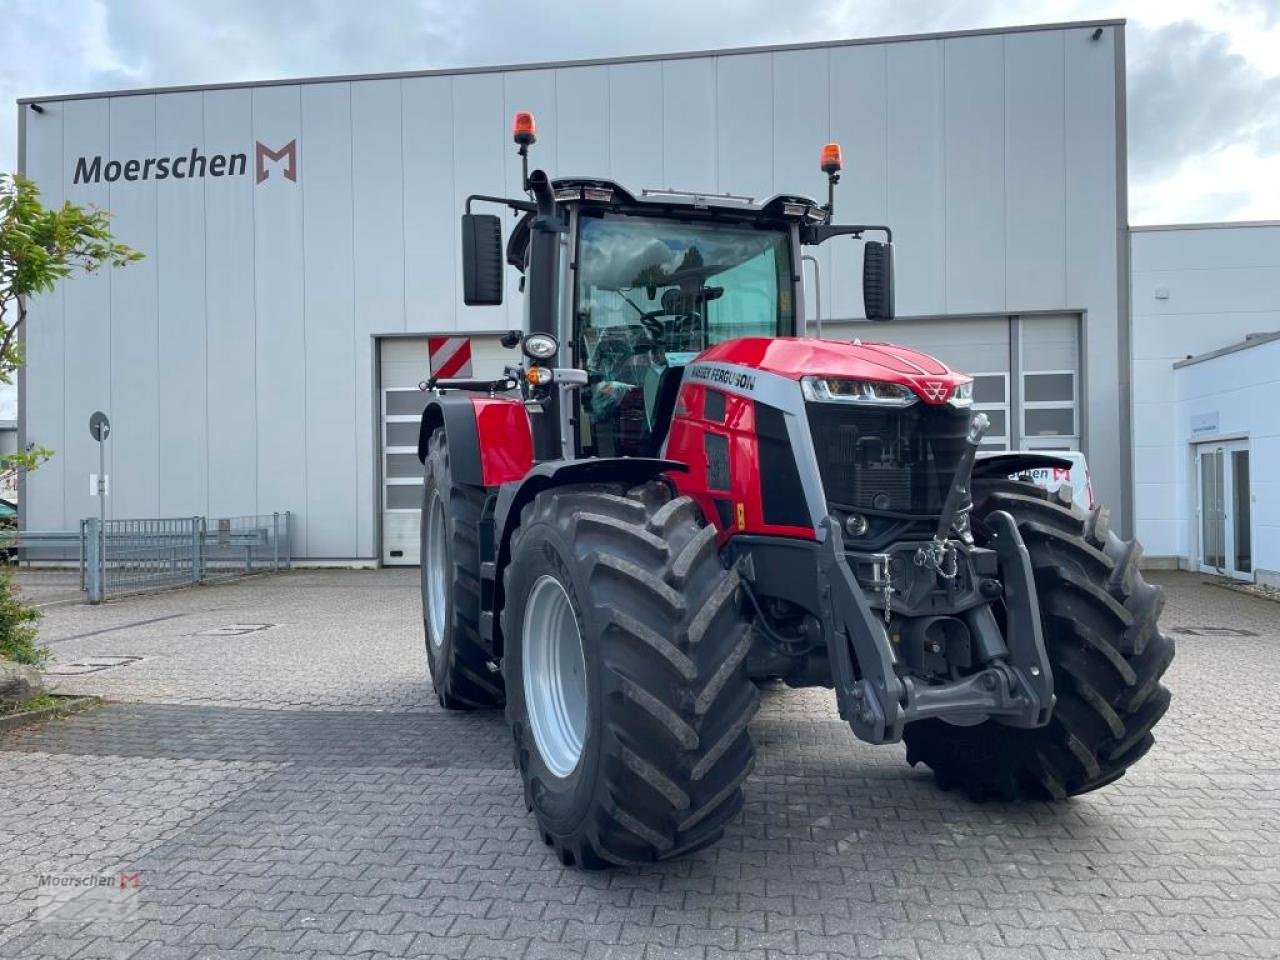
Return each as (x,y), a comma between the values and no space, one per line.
(126,556)
(49,563)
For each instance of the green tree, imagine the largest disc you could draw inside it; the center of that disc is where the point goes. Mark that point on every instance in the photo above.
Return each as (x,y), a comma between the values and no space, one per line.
(38,247)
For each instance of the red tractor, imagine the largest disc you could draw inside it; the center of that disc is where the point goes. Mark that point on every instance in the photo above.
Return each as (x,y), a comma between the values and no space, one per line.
(676,494)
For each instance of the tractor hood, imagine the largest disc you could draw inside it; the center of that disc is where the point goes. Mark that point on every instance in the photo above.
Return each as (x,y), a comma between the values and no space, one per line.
(795,357)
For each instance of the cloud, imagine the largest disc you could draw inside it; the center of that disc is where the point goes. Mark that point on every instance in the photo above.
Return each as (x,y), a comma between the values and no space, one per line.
(1191,95)
(1197,86)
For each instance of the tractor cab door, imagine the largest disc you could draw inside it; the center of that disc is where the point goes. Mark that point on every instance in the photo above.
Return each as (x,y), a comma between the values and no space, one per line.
(651,294)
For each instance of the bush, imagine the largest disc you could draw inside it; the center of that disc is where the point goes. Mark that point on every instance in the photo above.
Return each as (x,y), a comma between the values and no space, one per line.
(18,626)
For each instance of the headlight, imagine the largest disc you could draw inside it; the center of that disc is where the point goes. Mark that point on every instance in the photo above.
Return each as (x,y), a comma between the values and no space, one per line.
(962,396)
(540,346)
(874,393)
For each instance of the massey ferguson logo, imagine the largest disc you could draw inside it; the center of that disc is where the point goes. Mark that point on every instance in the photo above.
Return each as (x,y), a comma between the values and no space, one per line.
(192,165)
(935,391)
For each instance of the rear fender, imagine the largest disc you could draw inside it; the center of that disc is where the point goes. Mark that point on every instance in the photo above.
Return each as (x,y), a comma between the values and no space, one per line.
(489,439)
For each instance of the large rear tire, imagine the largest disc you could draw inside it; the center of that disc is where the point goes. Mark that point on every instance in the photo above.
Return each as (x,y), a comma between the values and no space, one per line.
(451,586)
(1105,647)
(624,658)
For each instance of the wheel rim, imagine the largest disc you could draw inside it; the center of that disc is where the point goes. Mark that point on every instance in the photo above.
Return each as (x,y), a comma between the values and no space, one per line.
(555,676)
(436,573)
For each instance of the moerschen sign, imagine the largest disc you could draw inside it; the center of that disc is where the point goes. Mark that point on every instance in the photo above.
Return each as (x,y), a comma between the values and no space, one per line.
(193,165)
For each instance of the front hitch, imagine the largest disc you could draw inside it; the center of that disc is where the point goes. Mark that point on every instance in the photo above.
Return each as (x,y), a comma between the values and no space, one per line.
(1015,685)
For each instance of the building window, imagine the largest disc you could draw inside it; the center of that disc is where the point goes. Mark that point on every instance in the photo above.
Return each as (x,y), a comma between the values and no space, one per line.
(991,396)
(1049,414)
(401,471)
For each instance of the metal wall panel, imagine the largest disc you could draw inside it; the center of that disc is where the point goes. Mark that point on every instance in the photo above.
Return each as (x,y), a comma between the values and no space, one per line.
(916,179)
(1093,234)
(582,122)
(380,265)
(636,127)
(280,334)
(973,133)
(744,118)
(801,124)
(482,153)
(1035,172)
(329,311)
(689,124)
(430,215)
(134,368)
(179,258)
(86,354)
(231,313)
(859,118)
(43,493)
(534,91)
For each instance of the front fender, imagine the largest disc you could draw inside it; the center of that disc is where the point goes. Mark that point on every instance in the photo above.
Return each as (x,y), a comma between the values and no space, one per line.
(489,438)
(512,498)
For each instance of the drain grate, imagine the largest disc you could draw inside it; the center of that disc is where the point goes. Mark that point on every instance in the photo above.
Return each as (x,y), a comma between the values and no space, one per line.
(78,668)
(1214,632)
(234,630)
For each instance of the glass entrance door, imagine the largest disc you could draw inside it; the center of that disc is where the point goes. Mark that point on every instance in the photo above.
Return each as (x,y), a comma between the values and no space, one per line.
(1224,512)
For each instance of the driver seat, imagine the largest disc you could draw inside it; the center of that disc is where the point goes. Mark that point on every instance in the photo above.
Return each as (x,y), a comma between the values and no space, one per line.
(664,406)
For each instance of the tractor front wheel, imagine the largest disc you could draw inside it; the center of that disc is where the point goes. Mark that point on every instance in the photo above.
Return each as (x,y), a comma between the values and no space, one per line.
(624,658)
(1099,618)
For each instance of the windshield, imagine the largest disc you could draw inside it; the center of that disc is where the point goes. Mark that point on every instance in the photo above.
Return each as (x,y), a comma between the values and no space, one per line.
(652,293)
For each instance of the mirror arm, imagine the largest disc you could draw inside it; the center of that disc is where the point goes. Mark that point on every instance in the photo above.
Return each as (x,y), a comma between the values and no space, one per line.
(814,235)
(524,206)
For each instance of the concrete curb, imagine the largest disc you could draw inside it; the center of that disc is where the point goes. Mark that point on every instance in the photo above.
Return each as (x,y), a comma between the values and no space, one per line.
(68,704)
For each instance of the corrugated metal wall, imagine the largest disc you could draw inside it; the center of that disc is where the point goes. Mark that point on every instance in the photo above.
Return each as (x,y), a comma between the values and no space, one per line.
(236,360)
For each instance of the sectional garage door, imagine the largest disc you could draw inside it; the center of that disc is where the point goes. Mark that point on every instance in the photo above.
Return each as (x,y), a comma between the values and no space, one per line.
(402,365)
(1026,370)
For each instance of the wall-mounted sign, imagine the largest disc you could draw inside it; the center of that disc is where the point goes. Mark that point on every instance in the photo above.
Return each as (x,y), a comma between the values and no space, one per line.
(1203,424)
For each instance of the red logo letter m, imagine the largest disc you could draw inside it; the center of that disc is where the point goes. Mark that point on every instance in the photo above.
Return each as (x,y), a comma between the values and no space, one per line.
(288,153)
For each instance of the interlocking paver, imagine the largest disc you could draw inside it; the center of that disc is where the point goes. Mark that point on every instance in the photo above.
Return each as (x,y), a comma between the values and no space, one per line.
(297,793)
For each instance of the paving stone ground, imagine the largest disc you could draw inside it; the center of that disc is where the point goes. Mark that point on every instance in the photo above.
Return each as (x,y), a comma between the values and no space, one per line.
(296,792)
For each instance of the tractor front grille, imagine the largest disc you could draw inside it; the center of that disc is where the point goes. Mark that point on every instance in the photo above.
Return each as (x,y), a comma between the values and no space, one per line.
(887,460)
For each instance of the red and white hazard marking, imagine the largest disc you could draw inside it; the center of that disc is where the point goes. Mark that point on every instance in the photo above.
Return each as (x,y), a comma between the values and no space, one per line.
(449,357)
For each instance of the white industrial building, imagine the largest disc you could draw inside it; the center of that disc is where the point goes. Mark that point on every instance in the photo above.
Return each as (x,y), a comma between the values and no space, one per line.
(301,241)
(1206,375)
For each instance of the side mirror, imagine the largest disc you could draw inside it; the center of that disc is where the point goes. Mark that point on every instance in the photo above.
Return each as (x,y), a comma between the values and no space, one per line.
(877,280)
(481,260)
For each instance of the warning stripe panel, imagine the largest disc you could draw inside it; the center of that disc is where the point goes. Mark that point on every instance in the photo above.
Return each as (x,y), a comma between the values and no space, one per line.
(449,356)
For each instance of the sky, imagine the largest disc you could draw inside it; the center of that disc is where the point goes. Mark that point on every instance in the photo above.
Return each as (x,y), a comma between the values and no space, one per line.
(1203,83)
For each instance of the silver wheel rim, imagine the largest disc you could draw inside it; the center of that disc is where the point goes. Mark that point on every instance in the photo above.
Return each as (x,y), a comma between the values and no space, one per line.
(555,676)
(437,577)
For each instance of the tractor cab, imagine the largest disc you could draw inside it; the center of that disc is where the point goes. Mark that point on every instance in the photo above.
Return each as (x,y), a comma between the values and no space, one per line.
(655,280)
(633,286)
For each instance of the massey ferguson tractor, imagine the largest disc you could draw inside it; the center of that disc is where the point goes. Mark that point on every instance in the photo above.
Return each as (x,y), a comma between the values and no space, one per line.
(677,495)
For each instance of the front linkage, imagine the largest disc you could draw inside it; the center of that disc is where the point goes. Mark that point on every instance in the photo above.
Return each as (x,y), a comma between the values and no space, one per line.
(943,590)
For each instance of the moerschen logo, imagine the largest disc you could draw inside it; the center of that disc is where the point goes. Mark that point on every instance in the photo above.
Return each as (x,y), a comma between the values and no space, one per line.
(190,166)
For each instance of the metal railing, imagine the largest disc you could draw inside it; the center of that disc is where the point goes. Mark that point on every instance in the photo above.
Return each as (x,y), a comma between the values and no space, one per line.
(125,556)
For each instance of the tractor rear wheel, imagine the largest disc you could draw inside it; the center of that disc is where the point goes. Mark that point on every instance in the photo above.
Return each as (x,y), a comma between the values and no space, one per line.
(450,559)
(1099,618)
(624,657)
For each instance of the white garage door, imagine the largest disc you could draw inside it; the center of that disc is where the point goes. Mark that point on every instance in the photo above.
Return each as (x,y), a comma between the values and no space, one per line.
(1026,370)
(402,366)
